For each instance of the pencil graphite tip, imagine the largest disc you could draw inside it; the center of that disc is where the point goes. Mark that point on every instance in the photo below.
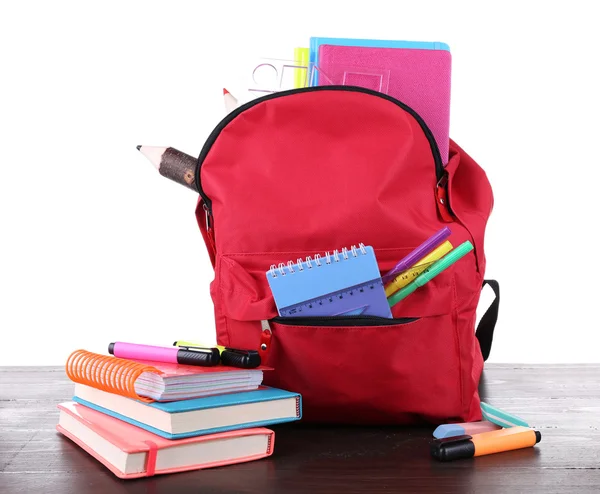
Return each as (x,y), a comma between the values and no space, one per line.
(138,147)
(225,91)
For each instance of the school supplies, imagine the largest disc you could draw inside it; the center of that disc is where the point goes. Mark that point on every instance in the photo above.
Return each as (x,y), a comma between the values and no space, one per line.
(234,357)
(501,417)
(417,254)
(160,381)
(200,416)
(431,272)
(466,428)
(172,164)
(301,67)
(205,357)
(130,452)
(230,101)
(407,276)
(486,443)
(342,283)
(418,78)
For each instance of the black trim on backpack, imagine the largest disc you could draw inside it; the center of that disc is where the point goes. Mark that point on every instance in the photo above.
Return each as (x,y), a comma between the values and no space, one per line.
(439,167)
(485,329)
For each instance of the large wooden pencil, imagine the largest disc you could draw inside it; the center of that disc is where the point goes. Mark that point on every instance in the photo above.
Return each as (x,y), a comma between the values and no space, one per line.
(173,164)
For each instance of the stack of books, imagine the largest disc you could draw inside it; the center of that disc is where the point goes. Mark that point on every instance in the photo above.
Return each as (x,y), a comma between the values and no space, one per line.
(141,418)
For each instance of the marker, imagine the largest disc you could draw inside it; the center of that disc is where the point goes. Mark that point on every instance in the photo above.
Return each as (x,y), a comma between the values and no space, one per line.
(487,443)
(500,417)
(410,274)
(301,70)
(466,428)
(431,272)
(230,101)
(205,357)
(244,359)
(420,252)
(173,164)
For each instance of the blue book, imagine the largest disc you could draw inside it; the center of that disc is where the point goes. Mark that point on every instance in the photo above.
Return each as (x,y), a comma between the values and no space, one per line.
(316,42)
(338,284)
(200,416)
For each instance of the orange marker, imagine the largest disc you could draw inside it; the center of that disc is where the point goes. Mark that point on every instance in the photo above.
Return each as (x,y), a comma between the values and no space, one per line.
(486,443)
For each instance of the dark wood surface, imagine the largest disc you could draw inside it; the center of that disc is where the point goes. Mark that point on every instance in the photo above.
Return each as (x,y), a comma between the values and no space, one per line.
(562,401)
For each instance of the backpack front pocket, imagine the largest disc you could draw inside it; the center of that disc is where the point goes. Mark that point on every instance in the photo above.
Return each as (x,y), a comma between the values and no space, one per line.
(380,370)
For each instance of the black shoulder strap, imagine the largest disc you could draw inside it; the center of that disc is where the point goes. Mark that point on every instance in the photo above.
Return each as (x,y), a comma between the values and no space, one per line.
(485,329)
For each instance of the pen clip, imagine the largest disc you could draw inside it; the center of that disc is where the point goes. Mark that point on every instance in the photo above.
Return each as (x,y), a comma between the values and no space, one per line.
(240,352)
(197,349)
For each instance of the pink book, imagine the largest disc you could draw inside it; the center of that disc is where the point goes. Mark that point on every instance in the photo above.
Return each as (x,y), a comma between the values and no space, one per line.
(419,78)
(130,452)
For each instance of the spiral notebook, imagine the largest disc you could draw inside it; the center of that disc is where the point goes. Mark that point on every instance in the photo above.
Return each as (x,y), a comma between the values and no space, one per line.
(160,381)
(344,283)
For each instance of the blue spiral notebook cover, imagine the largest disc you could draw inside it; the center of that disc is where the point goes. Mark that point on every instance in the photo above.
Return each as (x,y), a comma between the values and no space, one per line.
(339,284)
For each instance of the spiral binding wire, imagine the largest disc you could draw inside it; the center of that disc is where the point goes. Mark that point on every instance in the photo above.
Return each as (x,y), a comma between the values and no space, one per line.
(316,262)
(108,373)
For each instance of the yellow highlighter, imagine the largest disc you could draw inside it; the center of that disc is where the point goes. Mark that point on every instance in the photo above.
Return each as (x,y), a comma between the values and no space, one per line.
(301,70)
(410,274)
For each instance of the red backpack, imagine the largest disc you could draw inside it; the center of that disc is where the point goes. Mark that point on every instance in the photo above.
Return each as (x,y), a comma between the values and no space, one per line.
(311,170)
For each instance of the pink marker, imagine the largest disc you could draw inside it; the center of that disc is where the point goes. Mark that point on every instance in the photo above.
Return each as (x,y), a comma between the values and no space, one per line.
(205,357)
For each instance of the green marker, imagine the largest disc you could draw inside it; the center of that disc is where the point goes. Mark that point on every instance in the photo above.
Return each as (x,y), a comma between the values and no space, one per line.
(431,272)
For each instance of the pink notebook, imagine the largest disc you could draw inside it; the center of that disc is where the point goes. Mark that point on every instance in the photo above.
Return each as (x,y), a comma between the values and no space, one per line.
(130,452)
(418,78)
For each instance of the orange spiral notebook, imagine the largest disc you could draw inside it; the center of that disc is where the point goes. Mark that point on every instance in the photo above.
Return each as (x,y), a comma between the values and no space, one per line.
(130,452)
(158,381)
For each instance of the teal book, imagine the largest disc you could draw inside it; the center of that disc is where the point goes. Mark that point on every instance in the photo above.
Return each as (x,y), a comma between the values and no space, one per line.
(200,416)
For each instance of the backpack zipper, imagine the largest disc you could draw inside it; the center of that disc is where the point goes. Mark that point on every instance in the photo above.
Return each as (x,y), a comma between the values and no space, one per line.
(439,167)
(343,321)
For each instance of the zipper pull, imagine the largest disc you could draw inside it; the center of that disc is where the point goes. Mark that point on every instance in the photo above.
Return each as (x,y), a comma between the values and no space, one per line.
(441,195)
(206,215)
(209,236)
(265,341)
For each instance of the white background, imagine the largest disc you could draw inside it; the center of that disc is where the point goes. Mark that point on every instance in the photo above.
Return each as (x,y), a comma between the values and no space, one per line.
(96,246)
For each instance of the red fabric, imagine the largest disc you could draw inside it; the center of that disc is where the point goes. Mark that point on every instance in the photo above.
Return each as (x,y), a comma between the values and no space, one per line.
(311,172)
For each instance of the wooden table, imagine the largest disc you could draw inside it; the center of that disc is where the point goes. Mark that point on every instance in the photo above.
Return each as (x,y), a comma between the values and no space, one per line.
(562,401)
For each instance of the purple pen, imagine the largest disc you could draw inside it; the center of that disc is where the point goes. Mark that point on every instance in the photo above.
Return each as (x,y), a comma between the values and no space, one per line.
(417,254)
